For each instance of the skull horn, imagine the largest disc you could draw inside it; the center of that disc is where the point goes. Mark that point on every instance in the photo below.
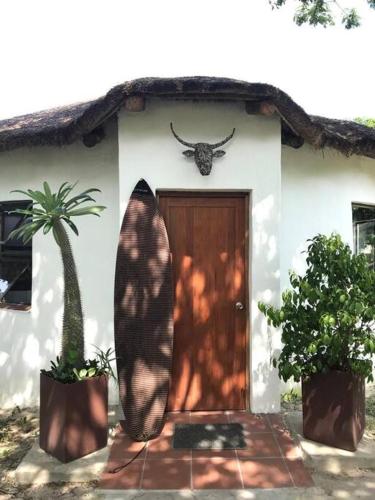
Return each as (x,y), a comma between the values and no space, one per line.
(188,144)
(221,143)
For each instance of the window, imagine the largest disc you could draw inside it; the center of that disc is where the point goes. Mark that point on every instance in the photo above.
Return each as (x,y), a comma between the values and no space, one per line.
(364,231)
(15,259)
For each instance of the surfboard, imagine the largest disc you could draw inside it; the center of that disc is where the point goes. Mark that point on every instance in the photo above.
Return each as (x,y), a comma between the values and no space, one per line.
(143,320)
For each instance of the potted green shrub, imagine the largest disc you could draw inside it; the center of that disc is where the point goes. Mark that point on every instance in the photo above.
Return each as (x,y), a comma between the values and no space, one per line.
(327,320)
(74,391)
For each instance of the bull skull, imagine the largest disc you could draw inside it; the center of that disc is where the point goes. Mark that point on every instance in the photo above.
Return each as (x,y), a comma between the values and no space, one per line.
(203,153)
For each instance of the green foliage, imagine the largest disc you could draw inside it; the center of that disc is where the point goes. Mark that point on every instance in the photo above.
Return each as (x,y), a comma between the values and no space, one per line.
(291,396)
(350,19)
(314,13)
(53,211)
(48,208)
(328,316)
(369,122)
(67,373)
(104,359)
(319,12)
(370,406)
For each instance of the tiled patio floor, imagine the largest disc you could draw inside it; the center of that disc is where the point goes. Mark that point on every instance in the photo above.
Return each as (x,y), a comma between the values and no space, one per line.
(270,460)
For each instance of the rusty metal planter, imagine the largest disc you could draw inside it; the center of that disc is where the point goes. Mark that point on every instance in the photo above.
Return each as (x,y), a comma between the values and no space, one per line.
(73,417)
(334,409)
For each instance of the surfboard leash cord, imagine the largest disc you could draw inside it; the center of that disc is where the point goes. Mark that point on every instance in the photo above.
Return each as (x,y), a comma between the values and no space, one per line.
(121,467)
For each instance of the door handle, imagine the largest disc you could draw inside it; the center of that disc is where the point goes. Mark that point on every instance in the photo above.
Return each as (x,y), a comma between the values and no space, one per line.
(239,306)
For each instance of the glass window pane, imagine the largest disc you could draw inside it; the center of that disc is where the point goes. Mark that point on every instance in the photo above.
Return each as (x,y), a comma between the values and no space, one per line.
(15,259)
(364,232)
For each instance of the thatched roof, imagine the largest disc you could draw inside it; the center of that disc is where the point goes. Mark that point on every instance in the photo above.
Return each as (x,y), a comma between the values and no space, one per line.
(84,121)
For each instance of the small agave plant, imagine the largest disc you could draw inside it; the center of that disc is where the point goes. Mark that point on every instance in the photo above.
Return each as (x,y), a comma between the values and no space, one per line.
(54,212)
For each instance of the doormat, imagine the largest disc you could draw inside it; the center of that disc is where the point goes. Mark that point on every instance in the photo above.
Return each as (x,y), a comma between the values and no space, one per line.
(209,436)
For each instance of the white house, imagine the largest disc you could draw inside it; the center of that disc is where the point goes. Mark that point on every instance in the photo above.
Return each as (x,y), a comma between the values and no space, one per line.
(285,177)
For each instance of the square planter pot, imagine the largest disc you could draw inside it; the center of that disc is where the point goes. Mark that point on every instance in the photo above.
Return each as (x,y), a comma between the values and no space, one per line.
(334,409)
(73,417)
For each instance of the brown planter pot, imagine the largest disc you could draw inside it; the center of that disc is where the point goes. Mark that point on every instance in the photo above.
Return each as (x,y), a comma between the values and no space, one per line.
(334,409)
(73,417)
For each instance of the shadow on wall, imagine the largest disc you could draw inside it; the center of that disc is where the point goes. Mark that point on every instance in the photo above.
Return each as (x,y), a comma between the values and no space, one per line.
(29,340)
(205,375)
(265,283)
(25,353)
(209,362)
(143,313)
(144,322)
(21,340)
(143,317)
(142,283)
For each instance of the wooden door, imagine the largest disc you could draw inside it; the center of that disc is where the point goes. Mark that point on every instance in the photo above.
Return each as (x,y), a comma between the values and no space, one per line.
(207,236)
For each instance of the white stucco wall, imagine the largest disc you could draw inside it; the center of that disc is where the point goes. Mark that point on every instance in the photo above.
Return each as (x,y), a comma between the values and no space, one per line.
(318,189)
(28,340)
(295,194)
(147,149)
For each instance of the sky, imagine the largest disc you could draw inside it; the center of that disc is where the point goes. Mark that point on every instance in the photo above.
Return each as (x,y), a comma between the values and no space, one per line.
(56,52)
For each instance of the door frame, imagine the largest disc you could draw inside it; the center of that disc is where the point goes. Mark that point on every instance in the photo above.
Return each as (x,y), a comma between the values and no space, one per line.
(246,195)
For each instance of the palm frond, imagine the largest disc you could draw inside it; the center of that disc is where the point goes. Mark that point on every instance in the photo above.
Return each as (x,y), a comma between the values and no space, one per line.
(47,189)
(81,196)
(25,193)
(47,207)
(27,230)
(93,210)
(47,227)
(64,190)
(29,212)
(72,226)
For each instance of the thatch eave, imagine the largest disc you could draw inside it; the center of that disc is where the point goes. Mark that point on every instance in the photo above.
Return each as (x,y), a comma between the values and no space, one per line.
(63,126)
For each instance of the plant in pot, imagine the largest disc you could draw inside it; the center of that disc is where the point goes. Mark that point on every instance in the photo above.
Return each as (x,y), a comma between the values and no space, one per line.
(327,320)
(74,391)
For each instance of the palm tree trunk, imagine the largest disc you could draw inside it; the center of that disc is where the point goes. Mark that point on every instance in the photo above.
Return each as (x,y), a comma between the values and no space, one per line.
(72,349)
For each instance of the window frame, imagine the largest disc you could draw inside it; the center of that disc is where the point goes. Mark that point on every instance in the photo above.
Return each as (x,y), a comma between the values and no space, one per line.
(370,206)
(15,251)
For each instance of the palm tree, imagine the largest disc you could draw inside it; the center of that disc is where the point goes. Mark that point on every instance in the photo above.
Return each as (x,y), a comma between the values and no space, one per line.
(52,211)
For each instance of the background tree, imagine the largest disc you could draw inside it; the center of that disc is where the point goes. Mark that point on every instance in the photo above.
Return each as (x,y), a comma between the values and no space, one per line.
(369,122)
(52,211)
(324,12)
(327,316)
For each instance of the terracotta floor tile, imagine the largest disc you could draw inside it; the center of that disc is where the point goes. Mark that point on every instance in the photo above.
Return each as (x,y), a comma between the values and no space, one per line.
(276,421)
(128,478)
(179,416)
(208,417)
(123,447)
(115,462)
(260,445)
(289,447)
(167,474)
(214,454)
(300,474)
(208,413)
(251,422)
(265,473)
(216,473)
(162,447)
(163,467)
(168,429)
